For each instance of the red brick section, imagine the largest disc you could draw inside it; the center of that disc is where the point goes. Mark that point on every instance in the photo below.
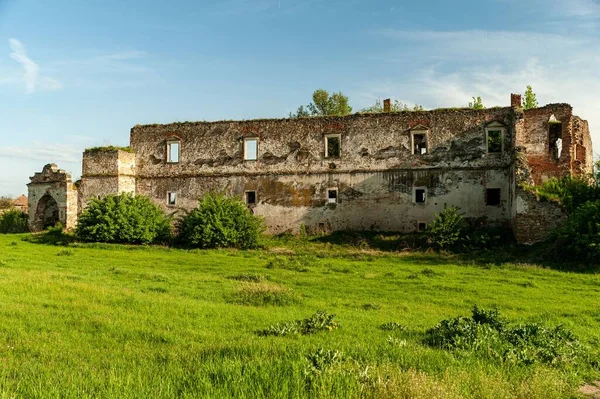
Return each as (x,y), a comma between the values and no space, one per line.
(515,100)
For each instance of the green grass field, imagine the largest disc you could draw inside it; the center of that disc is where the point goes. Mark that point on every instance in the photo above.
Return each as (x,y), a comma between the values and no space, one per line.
(132,322)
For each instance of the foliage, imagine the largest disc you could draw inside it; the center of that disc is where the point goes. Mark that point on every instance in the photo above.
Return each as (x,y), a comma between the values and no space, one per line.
(570,191)
(220,222)
(447,230)
(125,219)
(396,106)
(320,321)
(529,100)
(13,221)
(486,334)
(109,148)
(579,239)
(392,326)
(6,203)
(324,104)
(263,294)
(477,103)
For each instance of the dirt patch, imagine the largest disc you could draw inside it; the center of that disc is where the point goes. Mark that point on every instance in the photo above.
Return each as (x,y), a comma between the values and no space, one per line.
(591,390)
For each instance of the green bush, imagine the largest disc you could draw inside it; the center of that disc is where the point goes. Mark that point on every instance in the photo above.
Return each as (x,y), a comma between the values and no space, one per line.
(124,219)
(447,229)
(13,222)
(320,321)
(579,239)
(487,335)
(220,222)
(570,191)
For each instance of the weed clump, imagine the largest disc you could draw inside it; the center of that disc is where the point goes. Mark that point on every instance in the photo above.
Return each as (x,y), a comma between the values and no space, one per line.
(263,294)
(252,278)
(392,326)
(297,263)
(320,321)
(487,335)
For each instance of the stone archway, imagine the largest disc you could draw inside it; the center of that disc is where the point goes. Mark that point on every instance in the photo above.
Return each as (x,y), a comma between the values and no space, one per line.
(46,213)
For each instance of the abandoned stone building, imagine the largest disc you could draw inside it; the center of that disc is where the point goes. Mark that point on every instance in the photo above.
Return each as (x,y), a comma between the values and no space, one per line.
(385,171)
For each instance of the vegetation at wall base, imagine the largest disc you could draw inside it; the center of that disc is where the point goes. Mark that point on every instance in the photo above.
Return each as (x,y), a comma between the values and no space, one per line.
(124,219)
(95,320)
(220,222)
(13,221)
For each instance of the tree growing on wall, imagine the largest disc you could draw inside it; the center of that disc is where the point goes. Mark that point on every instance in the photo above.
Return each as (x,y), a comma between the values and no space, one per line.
(477,103)
(325,104)
(529,100)
(396,106)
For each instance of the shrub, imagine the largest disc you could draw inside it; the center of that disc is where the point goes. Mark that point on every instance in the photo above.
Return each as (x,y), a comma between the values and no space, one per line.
(579,239)
(220,222)
(447,229)
(392,326)
(124,219)
(320,321)
(570,191)
(486,334)
(13,222)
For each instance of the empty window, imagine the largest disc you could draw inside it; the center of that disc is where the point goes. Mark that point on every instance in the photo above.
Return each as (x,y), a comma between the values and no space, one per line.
(494,140)
(419,141)
(251,149)
(420,195)
(173,151)
(421,227)
(171,198)
(332,196)
(251,197)
(332,146)
(492,196)
(555,140)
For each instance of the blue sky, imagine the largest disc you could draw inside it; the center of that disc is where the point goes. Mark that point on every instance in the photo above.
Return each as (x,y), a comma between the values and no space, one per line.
(76,74)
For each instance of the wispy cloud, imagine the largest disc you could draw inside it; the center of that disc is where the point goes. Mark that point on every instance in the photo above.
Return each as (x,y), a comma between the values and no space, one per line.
(454,66)
(45,152)
(31,76)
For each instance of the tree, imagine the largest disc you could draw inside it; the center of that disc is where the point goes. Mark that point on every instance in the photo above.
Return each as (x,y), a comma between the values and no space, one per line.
(477,103)
(324,104)
(530,100)
(396,106)
(6,203)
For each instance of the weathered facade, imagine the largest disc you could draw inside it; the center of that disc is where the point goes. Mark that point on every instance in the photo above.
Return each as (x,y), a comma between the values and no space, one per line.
(388,171)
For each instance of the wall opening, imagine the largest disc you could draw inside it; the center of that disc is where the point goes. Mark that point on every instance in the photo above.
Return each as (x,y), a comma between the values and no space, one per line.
(171,198)
(333,146)
(419,143)
(251,197)
(47,213)
(420,195)
(555,140)
(332,196)
(494,141)
(250,149)
(492,196)
(421,227)
(173,151)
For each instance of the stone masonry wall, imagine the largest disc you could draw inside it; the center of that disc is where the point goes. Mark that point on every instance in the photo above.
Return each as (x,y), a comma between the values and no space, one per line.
(536,219)
(375,175)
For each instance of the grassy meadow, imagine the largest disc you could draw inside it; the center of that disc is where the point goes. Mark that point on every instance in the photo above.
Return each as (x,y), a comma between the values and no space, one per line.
(107,321)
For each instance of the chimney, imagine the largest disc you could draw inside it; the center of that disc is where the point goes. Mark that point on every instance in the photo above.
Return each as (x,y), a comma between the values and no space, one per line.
(515,100)
(387,105)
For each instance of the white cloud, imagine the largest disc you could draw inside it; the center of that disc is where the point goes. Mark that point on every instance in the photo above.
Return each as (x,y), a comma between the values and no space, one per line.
(31,71)
(47,153)
(454,66)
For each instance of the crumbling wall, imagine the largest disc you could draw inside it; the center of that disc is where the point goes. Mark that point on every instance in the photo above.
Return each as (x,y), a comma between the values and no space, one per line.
(536,142)
(375,175)
(106,171)
(536,219)
(52,198)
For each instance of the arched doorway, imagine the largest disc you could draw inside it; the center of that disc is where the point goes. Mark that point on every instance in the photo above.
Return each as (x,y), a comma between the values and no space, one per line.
(46,214)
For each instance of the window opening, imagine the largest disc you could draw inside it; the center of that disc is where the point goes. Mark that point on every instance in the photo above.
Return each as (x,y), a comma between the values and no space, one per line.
(421,227)
(250,149)
(555,140)
(494,140)
(420,195)
(492,196)
(419,143)
(332,146)
(173,151)
(251,197)
(171,198)
(332,196)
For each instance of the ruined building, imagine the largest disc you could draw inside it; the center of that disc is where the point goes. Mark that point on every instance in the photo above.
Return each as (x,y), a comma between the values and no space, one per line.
(385,171)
